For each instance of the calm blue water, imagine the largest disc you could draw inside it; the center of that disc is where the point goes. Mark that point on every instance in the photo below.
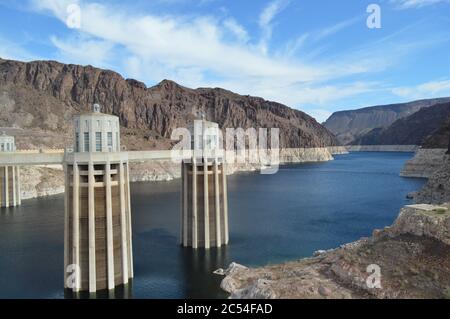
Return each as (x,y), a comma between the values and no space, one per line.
(273,218)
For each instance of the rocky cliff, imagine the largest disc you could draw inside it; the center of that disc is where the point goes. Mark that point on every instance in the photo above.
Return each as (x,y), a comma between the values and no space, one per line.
(40,181)
(440,138)
(38,100)
(433,164)
(413,257)
(43,96)
(432,156)
(437,188)
(429,127)
(350,125)
(424,163)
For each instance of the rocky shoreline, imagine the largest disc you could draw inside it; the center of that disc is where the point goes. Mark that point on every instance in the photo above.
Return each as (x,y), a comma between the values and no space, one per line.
(437,188)
(412,257)
(43,181)
(424,163)
(382,148)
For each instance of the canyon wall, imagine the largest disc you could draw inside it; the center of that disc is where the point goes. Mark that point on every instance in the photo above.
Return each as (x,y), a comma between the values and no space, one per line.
(415,129)
(38,100)
(424,163)
(43,96)
(437,189)
(352,124)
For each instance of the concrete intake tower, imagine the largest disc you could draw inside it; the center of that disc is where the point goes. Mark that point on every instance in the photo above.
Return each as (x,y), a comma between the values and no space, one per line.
(9,175)
(97,237)
(204,212)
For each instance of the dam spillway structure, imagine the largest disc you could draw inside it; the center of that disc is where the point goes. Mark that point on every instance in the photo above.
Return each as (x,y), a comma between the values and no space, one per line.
(204,207)
(9,175)
(98,234)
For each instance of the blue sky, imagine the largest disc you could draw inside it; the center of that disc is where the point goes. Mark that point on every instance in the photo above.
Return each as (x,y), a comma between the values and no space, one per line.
(317,56)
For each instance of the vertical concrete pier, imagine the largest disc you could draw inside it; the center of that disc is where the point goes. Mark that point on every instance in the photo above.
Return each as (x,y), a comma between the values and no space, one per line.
(204,211)
(98,238)
(9,176)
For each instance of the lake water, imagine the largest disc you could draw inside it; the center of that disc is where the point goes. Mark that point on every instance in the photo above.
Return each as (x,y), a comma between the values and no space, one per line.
(273,218)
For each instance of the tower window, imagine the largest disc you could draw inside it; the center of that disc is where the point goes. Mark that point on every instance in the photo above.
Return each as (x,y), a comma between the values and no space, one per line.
(98,141)
(110,141)
(77,142)
(86,142)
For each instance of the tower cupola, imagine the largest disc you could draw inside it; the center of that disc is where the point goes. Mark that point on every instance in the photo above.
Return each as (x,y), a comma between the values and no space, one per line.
(7,143)
(96,132)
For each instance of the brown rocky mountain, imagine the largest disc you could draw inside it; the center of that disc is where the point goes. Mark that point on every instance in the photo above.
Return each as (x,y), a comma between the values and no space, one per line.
(427,127)
(39,99)
(350,125)
(440,137)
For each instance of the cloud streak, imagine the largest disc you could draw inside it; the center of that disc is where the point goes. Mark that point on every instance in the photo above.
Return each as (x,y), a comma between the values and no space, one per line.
(179,42)
(432,89)
(336,28)
(236,29)
(266,18)
(409,4)
(205,50)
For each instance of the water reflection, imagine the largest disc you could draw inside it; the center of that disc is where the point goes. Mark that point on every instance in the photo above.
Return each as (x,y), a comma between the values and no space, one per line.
(120,292)
(198,262)
(273,218)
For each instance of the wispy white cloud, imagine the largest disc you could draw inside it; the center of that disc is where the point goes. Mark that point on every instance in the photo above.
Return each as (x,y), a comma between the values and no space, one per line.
(180,42)
(84,50)
(191,2)
(425,90)
(409,4)
(270,11)
(199,51)
(236,29)
(326,32)
(292,47)
(57,8)
(266,19)
(13,50)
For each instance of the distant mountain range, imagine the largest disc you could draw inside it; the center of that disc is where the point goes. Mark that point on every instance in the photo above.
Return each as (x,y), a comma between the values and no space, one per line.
(39,99)
(428,127)
(350,126)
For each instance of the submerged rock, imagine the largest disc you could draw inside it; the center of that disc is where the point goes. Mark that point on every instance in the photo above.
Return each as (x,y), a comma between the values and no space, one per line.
(411,195)
(232,268)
